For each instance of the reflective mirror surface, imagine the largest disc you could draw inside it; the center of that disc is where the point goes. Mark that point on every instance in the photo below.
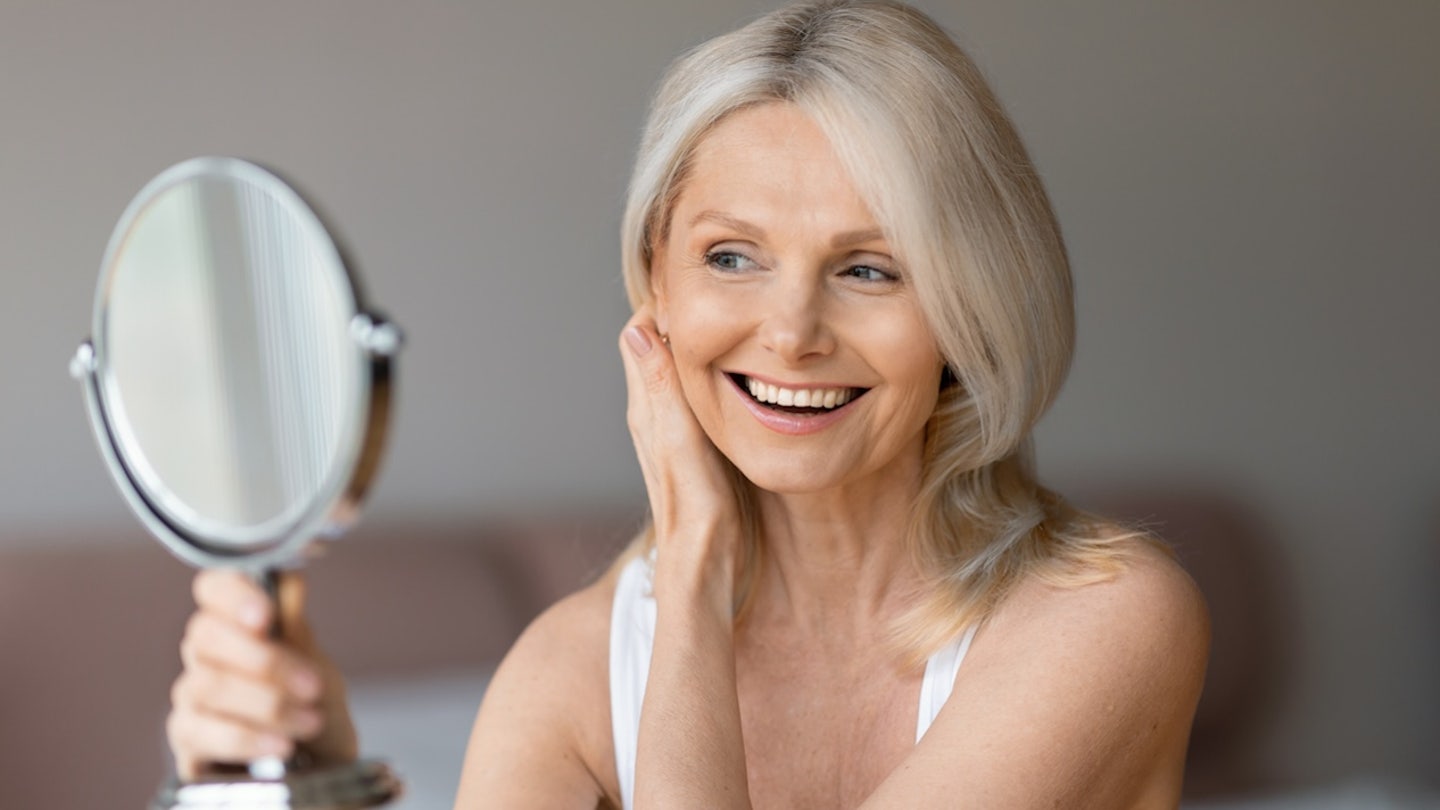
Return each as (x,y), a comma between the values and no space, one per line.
(231,381)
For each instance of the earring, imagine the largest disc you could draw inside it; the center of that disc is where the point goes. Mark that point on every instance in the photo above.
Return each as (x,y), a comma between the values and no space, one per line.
(664,338)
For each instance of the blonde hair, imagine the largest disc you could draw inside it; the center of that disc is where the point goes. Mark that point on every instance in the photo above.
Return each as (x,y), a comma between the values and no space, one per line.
(960,202)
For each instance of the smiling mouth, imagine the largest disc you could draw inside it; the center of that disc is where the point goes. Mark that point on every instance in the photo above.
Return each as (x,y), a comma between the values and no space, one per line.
(796,400)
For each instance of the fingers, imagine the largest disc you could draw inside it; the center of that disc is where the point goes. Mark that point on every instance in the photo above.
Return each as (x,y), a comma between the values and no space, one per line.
(221,713)
(644,366)
(652,409)
(254,704)
(243,694)
(229,593)
(198,738)
(228,596)
(214,643)
(653,391)
(638,339)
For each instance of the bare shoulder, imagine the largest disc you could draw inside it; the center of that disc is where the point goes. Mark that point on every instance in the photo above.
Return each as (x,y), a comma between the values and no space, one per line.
(574,631)
(1151,609)
(1141,636)
(1071,696)
(542,736)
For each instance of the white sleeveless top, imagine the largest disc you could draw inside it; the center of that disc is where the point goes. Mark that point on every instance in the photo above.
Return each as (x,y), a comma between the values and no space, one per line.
(632,639)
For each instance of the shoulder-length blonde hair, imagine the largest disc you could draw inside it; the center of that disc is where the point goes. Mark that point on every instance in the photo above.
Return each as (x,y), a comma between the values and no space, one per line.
(960,202)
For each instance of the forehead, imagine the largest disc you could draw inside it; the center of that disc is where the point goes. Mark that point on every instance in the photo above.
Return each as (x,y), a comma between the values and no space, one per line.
(777,126)
(771,161)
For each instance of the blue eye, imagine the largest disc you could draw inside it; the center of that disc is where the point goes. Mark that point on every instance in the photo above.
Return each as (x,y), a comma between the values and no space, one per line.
(868,273)
(727,261)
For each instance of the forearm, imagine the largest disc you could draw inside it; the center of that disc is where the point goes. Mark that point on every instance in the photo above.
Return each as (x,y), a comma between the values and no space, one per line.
(691,751)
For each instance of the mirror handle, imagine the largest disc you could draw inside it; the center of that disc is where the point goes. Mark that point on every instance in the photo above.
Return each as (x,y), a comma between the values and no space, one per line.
(284,590)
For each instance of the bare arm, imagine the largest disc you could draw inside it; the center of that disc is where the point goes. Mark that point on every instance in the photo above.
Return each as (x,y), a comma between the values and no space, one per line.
(691,751)
(541,739)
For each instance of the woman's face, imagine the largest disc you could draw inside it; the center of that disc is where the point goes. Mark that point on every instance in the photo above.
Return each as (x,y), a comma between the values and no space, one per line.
(797,336)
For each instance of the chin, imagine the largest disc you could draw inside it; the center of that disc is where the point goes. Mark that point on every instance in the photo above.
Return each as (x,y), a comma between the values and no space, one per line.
(792,476)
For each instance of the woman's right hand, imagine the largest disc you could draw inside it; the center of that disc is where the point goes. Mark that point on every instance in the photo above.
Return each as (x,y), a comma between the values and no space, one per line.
(692,500)
(243,695)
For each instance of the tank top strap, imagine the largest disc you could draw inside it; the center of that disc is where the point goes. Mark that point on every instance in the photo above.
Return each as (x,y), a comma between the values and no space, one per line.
(632,639)
(939,680)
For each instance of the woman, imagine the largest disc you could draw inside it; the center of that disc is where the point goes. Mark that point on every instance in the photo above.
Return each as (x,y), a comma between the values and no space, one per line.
(851,304)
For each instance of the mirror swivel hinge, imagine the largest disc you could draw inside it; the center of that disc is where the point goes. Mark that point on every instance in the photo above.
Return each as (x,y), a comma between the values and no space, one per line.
(82,365)
(375,335)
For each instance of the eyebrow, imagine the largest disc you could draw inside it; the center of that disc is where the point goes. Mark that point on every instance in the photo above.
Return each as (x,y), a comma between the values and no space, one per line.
(841,240)
(733,223)
(860,237)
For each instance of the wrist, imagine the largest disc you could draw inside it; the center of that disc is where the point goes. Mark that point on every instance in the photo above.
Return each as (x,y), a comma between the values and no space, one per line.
(696,564)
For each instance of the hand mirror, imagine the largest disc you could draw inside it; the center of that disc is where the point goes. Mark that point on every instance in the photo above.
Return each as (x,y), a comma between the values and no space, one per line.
(239,390)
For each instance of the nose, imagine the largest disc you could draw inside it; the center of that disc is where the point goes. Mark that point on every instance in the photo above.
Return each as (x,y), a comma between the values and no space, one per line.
(795,326)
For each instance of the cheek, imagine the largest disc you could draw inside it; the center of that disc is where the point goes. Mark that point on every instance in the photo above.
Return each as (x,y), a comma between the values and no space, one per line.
(905,354)
(700,334)
(703,323)
(918,392)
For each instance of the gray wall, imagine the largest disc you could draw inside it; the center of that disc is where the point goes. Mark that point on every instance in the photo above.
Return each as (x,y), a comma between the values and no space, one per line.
(1250,192)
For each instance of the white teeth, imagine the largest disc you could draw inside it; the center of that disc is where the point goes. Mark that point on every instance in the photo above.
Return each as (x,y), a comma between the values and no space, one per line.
(799,398)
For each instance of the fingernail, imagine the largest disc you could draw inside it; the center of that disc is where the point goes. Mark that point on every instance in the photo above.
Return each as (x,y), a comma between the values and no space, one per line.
(252,614)
(305,684)
(637,340)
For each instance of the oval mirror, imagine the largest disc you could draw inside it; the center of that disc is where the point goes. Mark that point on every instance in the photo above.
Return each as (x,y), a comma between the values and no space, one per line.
(240,387)
(239,390)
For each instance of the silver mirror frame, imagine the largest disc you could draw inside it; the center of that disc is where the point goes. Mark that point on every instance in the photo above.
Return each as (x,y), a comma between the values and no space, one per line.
(336,505)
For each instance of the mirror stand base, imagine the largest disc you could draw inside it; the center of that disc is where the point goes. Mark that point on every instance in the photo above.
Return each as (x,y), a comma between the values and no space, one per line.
(365,783)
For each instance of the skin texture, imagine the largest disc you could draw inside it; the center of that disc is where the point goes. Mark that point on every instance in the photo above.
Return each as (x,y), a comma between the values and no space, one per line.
(1075,698)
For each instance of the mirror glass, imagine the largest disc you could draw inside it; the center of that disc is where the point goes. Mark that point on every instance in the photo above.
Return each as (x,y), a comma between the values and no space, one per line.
(230,372)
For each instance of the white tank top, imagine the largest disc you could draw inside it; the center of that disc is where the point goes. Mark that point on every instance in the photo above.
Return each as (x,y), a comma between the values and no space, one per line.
(632,638)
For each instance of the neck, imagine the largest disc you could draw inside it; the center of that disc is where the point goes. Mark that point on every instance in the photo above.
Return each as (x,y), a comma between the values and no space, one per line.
(835,562)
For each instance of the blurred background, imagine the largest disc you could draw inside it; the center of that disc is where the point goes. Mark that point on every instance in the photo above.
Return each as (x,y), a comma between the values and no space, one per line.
(1250,193)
